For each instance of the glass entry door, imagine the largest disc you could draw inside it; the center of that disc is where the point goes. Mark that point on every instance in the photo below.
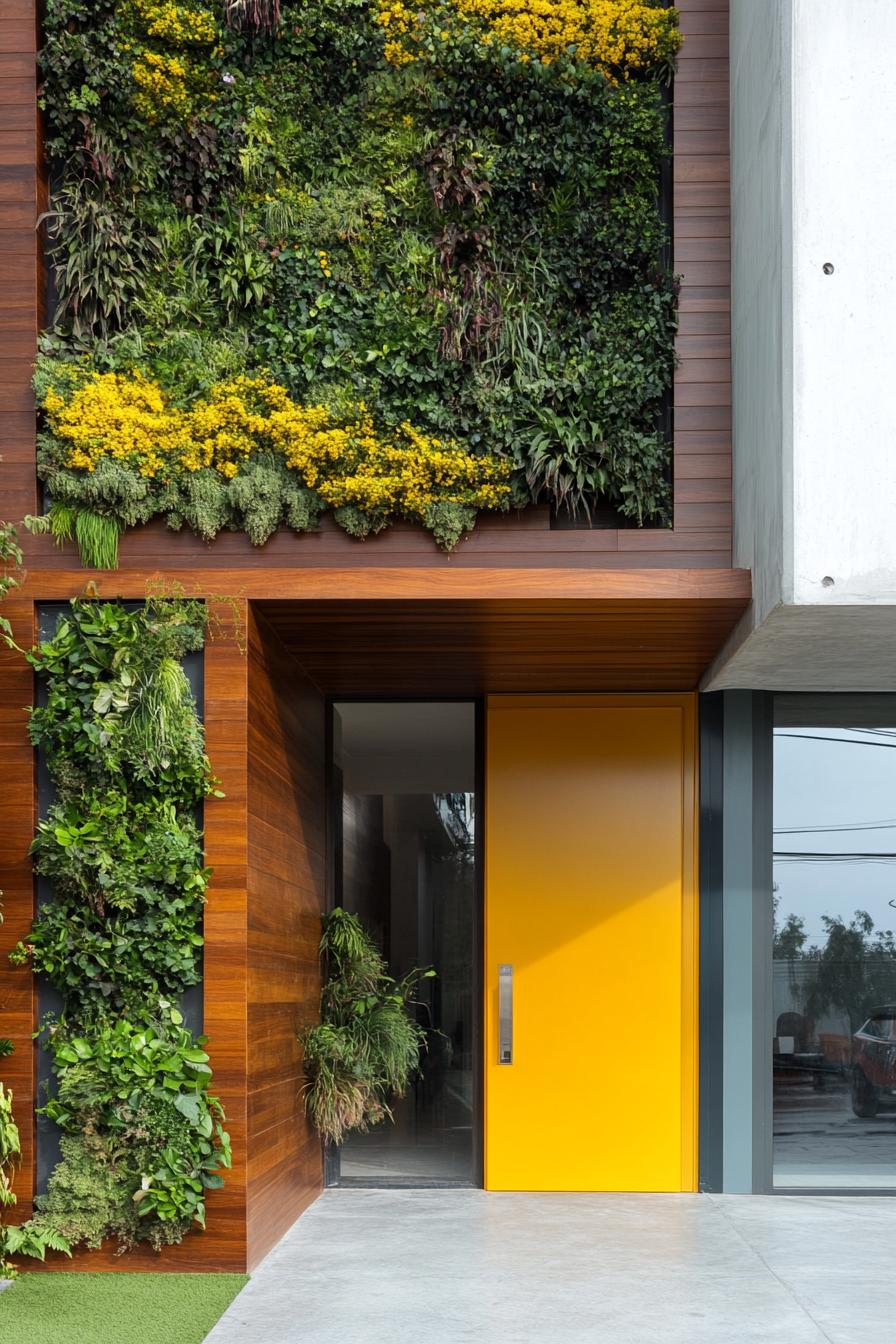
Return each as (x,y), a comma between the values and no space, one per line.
(405,862)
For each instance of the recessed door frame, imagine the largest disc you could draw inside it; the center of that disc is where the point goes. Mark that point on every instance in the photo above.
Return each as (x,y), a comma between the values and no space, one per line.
(334,836)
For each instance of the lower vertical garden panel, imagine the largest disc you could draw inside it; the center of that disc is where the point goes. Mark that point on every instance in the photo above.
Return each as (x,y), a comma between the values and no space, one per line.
(590,834)
(222,1245)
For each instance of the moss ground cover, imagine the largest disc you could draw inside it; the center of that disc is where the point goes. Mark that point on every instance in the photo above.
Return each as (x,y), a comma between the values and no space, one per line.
(119,1308)
(435,227)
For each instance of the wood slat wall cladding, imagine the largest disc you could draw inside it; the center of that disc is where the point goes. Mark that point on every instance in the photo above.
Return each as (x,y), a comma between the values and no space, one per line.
(22,198)
(414,631)
(701,536)
(494,647)
(18,816)
(286,897)
(519,606)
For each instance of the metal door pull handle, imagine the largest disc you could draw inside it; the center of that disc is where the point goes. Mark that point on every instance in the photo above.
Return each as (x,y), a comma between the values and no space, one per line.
(505,1014)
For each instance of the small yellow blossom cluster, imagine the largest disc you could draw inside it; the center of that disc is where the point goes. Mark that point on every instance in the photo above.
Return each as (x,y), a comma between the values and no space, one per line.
(347,460)
(162,87)
(402,471)
(171,84)
(112,415)
(623,38)
(401,26)
(324,261)
(175,24)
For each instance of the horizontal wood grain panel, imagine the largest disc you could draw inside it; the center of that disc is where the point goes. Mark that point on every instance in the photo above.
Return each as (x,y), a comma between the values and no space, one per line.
(716,393)
(287,895)
(466,648)
(705,140)
(698,19)
(697,68)
(702,116)
(396,583)
(704,249)
(704,46)
(695,370)
(17,91)
(690,348)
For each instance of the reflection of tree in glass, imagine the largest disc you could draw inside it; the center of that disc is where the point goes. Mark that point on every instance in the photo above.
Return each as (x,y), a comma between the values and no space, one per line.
(790,937)
(854,972)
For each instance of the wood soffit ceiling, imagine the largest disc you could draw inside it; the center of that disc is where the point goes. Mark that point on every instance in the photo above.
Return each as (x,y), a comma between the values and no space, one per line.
(471,648)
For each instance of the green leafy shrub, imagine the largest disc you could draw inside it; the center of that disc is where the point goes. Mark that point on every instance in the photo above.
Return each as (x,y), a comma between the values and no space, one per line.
(367,1045)
(143,1138)
(89,1195)
(138,1087)
(447,212)
(117,703)
(125,921)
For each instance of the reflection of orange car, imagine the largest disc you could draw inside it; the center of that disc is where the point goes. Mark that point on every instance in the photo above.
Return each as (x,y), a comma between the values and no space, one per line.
(874,1063)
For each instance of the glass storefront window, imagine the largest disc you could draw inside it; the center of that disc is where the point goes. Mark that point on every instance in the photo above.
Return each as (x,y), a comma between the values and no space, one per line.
(834,962)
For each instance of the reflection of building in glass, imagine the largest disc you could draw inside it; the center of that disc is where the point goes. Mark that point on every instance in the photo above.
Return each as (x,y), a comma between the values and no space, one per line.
(834,964)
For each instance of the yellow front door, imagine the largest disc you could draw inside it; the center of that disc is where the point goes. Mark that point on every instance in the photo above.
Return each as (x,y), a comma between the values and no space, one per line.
(590,910)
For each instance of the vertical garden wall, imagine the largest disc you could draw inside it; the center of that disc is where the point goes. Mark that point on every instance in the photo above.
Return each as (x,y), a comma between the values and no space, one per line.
(119,936)
(383,260)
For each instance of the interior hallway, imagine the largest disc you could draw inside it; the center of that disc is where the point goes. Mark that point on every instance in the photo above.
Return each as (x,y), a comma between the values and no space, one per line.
(458,1266)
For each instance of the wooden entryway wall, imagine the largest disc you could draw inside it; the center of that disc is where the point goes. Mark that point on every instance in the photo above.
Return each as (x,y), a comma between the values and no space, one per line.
(520,606)
(266,842)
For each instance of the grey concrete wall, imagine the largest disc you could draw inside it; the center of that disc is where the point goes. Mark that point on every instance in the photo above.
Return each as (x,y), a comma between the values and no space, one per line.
(760,281)
(844,294)
(813,194)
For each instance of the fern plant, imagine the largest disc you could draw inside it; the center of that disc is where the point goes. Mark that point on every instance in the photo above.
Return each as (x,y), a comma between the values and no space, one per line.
(365,1049)
(27,1239)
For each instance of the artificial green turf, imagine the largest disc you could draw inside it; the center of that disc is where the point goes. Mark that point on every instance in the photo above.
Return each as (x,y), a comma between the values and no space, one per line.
(114,1308)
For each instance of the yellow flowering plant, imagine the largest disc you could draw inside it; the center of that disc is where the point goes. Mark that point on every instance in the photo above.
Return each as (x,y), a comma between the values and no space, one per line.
(622,38)
(117,445)
(169,46)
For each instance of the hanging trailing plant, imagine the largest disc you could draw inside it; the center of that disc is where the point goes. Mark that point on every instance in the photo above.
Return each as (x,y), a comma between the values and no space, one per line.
(367,1045)
(143,1138)
(262,16)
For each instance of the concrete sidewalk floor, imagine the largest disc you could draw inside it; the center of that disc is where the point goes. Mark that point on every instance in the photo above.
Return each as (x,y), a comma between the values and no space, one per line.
(450,1266)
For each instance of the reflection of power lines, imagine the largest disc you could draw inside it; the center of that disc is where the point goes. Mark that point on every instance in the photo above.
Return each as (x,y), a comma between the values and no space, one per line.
(840,826)
(844,741)
(809,856)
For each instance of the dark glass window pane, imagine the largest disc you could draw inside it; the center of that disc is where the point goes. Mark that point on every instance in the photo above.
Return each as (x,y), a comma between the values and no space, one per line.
(405,863)
(834,963)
